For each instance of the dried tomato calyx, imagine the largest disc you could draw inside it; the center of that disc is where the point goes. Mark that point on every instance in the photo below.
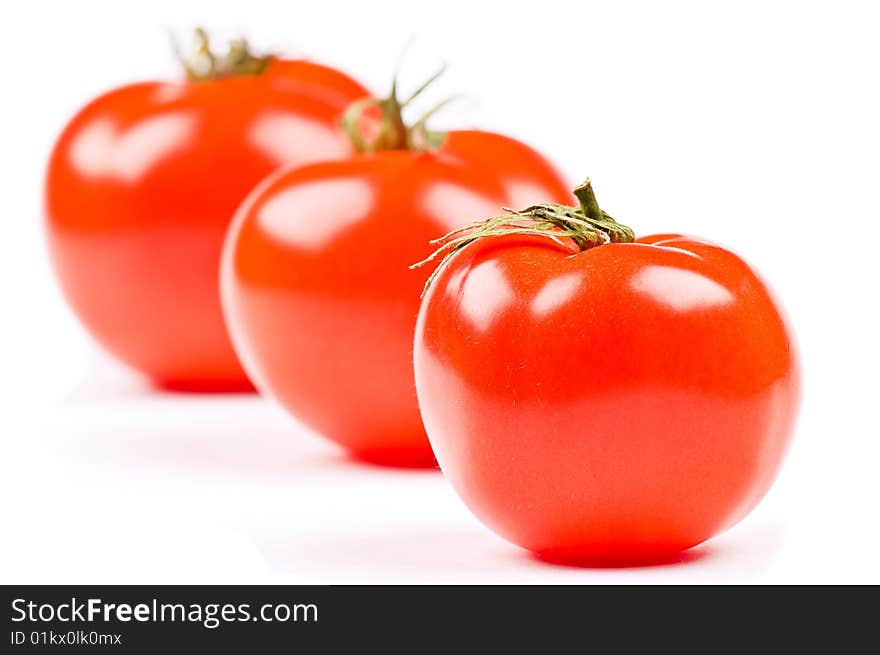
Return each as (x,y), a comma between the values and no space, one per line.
(587,225)
(204,64)
(392,132)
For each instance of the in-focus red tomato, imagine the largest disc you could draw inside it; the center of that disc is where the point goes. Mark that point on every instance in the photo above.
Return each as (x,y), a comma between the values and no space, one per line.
(618,404)
(142,185)
(315,281)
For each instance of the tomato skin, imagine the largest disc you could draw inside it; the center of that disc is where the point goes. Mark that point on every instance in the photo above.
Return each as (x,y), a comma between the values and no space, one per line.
(317,292)
(612,406)
(140,189)
(304,77)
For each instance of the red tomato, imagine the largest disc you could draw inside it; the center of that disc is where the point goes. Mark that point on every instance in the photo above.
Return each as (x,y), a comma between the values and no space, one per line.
(618,404)
(315,281)
(141,187)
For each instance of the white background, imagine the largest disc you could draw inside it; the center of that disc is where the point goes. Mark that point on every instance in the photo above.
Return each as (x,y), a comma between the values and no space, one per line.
(752,124)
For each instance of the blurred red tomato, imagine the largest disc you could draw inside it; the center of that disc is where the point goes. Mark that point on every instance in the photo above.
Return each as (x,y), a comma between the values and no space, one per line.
(315,281)
(142,185)
(615,405)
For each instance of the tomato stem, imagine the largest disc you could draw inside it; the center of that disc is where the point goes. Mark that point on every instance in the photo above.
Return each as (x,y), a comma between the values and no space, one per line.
(587,199)
(392,132)
(586,225)
(204,64)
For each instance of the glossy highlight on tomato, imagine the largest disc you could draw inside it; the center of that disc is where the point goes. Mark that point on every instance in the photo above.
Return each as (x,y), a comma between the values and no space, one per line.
(316,288)
(615,405)
(141,187)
